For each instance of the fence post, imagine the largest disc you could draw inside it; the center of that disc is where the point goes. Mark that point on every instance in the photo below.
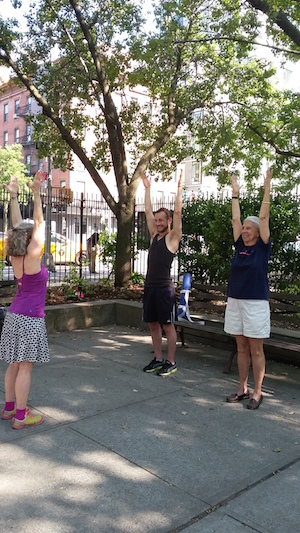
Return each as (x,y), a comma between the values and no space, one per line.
(81,233)
(133,239)
(47,259)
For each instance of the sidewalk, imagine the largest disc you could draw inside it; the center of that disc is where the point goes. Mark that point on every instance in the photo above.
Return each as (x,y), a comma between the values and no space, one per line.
(121,451)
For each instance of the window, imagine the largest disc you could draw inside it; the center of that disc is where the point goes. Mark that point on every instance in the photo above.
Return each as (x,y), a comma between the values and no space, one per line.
(28,104)
(149,107)
(81,187)
(27,163)
(196,172)
(123,101)
(78,165)
(198,115)
(287,76)
(5,112)
(17,135)
(5,138)
(41,164)
(62,183)
(28,133)
(17,108)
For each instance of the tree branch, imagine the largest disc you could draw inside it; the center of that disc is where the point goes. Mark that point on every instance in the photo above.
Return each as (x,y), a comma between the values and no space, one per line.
(153,150)
(281,19)
(114,130)
(279,151)
(171,105)
(83,64)
(218,37)
(65,134)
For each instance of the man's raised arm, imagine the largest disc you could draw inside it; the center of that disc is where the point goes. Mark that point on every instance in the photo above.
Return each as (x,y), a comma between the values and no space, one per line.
(176,232)
(148,206)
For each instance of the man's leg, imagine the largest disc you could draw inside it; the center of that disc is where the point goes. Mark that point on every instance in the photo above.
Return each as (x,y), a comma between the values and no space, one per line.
(157,361)
(156,334)
(169,366)
(171,335)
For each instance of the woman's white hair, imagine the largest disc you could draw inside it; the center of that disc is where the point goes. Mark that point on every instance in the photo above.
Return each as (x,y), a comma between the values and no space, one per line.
(254,220)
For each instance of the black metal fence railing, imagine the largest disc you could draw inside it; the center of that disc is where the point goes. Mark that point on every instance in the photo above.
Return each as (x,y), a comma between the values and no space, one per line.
(71,226)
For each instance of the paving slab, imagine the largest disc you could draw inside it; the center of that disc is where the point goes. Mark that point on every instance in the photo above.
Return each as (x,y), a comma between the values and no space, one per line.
(74,484)
(123,451)
(187,429)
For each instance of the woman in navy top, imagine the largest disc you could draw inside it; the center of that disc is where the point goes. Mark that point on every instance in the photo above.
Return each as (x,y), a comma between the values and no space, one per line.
(247,313)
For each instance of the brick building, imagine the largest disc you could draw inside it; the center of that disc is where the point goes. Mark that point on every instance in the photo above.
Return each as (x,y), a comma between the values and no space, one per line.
(16,104)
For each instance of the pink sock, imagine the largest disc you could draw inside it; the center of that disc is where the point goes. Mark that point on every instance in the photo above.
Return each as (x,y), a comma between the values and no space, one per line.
(20,414)
(9,406)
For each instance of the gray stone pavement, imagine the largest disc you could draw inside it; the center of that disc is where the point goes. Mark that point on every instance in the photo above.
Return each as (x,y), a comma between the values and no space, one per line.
(121,451)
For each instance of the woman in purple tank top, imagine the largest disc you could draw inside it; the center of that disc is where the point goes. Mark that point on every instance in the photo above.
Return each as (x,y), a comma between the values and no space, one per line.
(24,336)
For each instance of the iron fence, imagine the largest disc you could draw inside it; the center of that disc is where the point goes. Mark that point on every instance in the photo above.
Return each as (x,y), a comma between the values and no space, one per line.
(72,227)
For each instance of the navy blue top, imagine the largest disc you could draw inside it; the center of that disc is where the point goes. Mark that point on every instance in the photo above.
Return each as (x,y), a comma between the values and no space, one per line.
(249,271)
(159,264)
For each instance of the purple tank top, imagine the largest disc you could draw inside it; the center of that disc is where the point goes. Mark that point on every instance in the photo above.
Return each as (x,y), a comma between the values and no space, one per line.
(31,294)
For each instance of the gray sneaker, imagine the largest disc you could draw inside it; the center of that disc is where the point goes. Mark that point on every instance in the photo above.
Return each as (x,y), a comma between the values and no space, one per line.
(153,365)
(167,369)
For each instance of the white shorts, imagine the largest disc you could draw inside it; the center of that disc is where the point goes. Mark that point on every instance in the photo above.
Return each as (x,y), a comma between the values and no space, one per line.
(250,318)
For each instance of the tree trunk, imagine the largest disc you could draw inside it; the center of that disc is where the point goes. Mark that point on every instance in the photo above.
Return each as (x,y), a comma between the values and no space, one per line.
(123,253)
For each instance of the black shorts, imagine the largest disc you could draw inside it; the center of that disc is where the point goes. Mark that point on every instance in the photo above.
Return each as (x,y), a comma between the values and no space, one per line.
(159,305)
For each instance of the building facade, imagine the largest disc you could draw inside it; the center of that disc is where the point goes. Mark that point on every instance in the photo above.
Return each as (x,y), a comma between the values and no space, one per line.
(16,105)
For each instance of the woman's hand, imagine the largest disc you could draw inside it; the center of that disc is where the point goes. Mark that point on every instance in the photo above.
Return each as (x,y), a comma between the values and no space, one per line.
(268,177)
(235,185)
(146,180)
(12,187)
(36,184)
(180,181)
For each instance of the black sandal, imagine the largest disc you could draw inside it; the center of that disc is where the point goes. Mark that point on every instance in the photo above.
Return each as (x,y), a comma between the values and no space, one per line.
(234,398)
(254,404)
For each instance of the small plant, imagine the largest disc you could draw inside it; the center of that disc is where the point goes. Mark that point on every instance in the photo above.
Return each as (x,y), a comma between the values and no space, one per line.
(2,265)
(76,288)
(108,248)
(137,278)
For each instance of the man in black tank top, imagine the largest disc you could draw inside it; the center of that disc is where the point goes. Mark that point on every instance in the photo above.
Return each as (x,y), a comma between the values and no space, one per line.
(159,292)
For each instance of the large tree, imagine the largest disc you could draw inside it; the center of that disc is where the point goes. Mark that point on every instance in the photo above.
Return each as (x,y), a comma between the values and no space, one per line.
(197,63)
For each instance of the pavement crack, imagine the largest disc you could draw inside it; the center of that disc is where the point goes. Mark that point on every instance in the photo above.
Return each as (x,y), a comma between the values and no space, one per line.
(233,496)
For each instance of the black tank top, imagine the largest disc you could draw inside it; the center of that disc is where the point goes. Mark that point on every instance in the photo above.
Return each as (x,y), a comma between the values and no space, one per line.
(159,264)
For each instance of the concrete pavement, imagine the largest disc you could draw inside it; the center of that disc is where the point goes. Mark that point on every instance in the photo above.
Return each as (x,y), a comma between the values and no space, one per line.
(121,451)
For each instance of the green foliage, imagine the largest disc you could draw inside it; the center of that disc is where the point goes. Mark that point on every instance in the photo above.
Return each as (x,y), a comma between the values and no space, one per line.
(76,288)
(285,227)
(11,164)
(207,244)
(206,247)
(2,265)
(188,56)
(137,278)
(108,248)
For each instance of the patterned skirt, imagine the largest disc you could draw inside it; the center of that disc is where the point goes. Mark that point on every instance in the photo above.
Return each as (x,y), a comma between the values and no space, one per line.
(24,338)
